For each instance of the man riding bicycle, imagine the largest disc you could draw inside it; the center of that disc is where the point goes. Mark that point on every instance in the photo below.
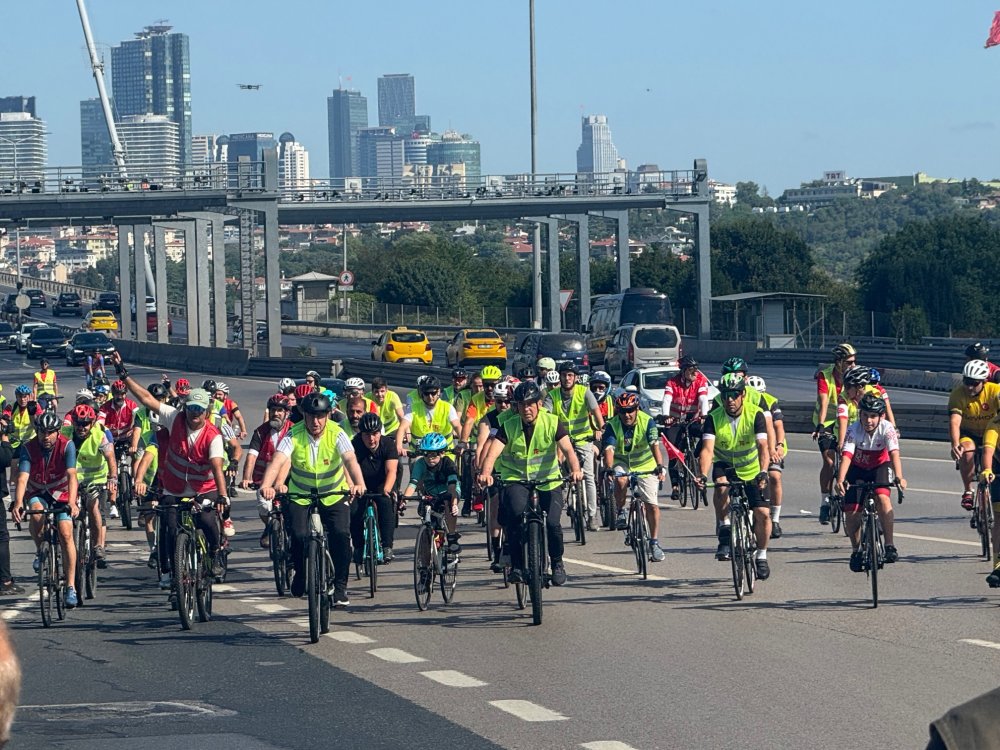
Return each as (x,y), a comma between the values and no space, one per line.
(379,462)
(980,352)
(488,426)
(457,394)
(93,368)
(778,449)
(829,384)
(427,414)
(971,406)
(684,408)
(44,382)
(118,416)
(96,472)
(263,444)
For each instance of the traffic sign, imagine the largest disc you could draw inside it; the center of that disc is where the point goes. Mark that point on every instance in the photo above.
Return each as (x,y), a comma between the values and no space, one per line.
(346,278)
(564,297)
(22,302)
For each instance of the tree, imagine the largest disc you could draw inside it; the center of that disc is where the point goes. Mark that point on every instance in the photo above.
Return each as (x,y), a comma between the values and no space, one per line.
(88,277)
(748,194)
(750,254)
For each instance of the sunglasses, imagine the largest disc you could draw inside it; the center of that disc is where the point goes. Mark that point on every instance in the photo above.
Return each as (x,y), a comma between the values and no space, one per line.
(195,410)
(501,401)
(633,410)
(83,422)
(732,395)
(430,393)
(970,381)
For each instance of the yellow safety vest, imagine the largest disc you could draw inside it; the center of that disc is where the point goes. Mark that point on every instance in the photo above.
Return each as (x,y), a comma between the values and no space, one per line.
(424,423)
(535,462)
(577,418)
(834,393)
(640,457)
(325,474)
(46,382)
(739,450)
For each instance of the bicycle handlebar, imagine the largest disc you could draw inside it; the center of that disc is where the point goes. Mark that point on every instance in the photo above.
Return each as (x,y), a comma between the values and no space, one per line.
(864,486)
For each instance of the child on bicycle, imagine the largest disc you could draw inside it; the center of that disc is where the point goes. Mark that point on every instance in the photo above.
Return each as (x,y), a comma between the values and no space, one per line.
(870,454)
(434,474)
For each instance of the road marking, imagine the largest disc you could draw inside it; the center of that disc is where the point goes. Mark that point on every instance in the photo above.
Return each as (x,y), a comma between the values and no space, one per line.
(528,711)
(17,607)
(271,608)
(937,539)
(349,636)
(396,655)
(451,678)
(223,587)
(300,622)
(607,745)
(908,458)
(610,569)
(977,642)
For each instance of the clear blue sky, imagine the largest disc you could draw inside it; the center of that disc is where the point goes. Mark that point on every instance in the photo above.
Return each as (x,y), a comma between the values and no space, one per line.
(774,91)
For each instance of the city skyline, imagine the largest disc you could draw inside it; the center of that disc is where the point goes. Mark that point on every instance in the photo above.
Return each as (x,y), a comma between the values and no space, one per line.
(763,95)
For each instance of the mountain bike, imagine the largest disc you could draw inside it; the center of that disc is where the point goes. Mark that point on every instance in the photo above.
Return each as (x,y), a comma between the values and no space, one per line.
(125,491)
(85,575)
(371,550)
(279,547)
(431,558)
(51,581)
(192,565)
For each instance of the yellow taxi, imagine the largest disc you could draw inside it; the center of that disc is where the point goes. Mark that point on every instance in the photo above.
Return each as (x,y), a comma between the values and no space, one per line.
(480,346)
(402,345)
(100,320)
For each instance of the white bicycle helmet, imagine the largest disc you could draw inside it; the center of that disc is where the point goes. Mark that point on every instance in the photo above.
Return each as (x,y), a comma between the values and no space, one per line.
(220,386)
(285,383)
(552,377)
(84,394)
(757,383)
(354,384)
(420,380)
(976,369)
(502,391)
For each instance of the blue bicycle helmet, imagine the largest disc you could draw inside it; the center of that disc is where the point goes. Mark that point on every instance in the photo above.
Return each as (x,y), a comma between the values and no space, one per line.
(22,390)
(433,442)
(876,376)
(102,388)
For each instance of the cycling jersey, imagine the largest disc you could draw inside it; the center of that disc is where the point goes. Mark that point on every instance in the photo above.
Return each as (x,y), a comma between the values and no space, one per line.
(681,400)
(869,451)
(119,419)
(435,481)
(976,411)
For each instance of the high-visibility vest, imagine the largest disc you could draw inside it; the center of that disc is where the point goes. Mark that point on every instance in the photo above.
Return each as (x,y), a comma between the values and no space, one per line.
(577,418)
(387,411)
(436,420)
(834,393)
(182,464)
(45,382)
(535,462)
(91,465)
(640,456)
(739,450)
(325,474)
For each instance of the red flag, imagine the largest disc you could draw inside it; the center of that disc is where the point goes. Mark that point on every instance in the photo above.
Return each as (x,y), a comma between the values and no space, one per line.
(994,37)
(672,451)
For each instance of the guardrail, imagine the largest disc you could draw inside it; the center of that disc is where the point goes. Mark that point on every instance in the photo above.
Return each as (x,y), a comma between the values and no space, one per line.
(87,293)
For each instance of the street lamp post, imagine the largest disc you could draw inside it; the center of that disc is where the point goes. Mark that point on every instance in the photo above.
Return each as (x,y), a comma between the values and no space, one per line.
(536,251)
(15,142)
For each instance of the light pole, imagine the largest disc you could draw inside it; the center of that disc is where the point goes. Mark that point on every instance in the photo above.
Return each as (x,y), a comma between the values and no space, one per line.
(15,142)
(536,252)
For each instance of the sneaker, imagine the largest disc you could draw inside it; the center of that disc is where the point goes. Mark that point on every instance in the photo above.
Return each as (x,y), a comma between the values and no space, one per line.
(993,579)
(516,576)
(227,527)
(496,567)
(102,557)
(655,552)
(340,599)
(558,574)
(722,553)
(453,546)
(891,555)
(164,581)
(967,500)
(71,598)
(36,564)
(824,514)
(298,584)
(218,563)
(763,569)
(675,495)
(151,562)
(10,589)
(387,555)
(172,601)
(466,509)
(113,513)
(264,541)
(857,564)
(621,523)
(775,530)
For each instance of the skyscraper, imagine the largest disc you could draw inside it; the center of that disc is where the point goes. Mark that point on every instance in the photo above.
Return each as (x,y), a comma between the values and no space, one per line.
(23,149)
(596,154)
(293,163)
(96,154)
(347,115)
(18,104)
(382,153)
(396,99)
(151,75)
(454,148)
(152,146)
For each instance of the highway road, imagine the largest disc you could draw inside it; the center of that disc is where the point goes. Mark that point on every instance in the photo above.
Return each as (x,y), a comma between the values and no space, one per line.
(671,662)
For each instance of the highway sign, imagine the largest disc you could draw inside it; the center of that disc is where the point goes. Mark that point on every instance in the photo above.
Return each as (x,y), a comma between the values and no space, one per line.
(346,278)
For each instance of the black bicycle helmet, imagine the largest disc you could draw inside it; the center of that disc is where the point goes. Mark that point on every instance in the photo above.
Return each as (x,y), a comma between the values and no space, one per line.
(687,361)
(209,385)
(158,391)
(47,422)
(976,351)
(734,364)
(527,392)
(370,423)
(872,404)
(316,404)
(858,376)
(430,384)
(568,367)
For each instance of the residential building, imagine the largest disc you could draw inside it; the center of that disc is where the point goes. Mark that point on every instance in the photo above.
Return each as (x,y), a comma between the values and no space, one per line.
(293,164)
(347,116)
(454,148)
(722,192)
(381,153)
(151,75)
(835,185)
(23,148)
(18,104)
(596,153)
(96,153)
(152,147)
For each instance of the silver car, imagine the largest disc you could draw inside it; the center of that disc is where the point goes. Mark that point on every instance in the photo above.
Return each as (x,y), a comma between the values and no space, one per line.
(649,383)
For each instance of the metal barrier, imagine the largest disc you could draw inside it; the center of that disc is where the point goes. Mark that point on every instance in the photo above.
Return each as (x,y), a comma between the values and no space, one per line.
(291,367)
(915,421)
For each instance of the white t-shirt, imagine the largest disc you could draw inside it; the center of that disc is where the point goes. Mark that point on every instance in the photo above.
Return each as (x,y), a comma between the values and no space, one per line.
(168,414)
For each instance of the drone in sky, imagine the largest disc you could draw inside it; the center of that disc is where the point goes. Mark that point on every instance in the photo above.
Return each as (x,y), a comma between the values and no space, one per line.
(249,86)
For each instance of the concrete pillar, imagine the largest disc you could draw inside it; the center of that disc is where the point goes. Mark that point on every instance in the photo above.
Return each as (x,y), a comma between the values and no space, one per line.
(536,278)
(219,280)
(160,269)
(203,275)
(624,259)
(191,283)
(583,262)
(139,261)
(552,235)
(272,275)
(704,253)
(125,279)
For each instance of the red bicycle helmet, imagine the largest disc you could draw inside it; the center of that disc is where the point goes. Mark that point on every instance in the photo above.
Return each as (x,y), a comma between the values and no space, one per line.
(182,386)
(83,414)
(302,391)
(627,401)
(119,387)
(277,401)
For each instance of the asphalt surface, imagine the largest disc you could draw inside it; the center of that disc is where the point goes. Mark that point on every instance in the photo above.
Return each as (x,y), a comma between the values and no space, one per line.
(674,661)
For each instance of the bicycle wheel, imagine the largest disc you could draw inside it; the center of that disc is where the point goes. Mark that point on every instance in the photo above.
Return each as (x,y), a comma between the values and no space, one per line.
(736,558)
(185,572)
(125,499)
(82,553)
(835,514)
(449,576)
(46,586)
(423,567)
(90,579)
(984,511)
(371,554)
(637,537)
(59,581)
(203,582)
(536,569)
(314,575)
(278,554)
(695,493)
(581,514)
(325,595)
(749,558)
(871,532)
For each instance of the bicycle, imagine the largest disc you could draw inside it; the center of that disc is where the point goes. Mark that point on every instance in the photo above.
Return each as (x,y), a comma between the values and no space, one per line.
(192,566)
(279,547)
(871,547)
(125,486)
(85,575)
(690,491)
(371,552)
(637,530)
(431,558)
(982,517)
(576,509)
(836,501)
(51,581)
(606,498)
(743,543)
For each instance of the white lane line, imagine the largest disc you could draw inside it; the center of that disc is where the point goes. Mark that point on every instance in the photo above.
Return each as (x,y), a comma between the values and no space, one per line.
(977,642)
(10,614)
(610,569)
(223,587)
(528,711)
(349,636)
(607,745)
(936,539)
(271,608)
(451,678)
(300,622)
(396,655)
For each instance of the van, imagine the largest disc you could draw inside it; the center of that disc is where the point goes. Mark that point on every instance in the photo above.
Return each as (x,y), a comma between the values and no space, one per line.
(611,311)
(642,345)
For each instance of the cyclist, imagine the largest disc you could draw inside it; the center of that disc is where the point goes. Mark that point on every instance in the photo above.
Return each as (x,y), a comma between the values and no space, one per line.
(96,471)
(414,394)
(354,409)
(829,384)
(435,475)
(488,426)
(600,386)
(552,381)
(734,442)
(317,455)
(8,586)
(577,408)
(870,454)
(390,408)
(263,443)
(428,414)
(543,367)
(230,408)
(148,488)
(971,406)
(313,379)
(93,368)
(526,443)
(379,462)
(181,390)
(632,443)
(44,382)
(118,416)
(779,449)
(47,479)
(22,415)
(146,421)
(356,387)
(476,409)
(977,351)
(684,408)
(457,393)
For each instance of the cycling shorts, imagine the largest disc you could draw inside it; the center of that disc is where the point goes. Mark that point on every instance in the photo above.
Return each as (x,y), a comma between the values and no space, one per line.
(60,505)
(881,474)
(648,486)
(966,437)
(778,467)
(755,498)
(827,440)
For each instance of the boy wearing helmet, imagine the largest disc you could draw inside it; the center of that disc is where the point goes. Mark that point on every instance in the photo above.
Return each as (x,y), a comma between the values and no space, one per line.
(971,406)
(870,454)
(435,475)
(829,384)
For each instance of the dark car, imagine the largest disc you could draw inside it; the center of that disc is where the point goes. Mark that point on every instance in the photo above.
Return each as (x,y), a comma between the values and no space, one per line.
(46,342)
(37,297)
(6,335)
(108,301)
(562,347)
(86,342)
(9,305)
(67,303)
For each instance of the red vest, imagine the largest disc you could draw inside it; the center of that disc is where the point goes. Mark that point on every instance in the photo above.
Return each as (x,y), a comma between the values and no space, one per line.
(267,448)
(48,475)
(182,465)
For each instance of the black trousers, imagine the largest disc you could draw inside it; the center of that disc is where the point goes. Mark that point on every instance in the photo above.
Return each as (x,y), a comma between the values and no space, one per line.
(513,501)
(336,520)
(207,521)
(385,511)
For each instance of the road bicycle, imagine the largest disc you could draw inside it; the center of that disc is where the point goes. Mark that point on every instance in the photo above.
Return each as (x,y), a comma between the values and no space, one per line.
(606,498)
(637,528)
(871,547)
(743,543)
(371,549)
(51,580)
(982,518)
(431,558)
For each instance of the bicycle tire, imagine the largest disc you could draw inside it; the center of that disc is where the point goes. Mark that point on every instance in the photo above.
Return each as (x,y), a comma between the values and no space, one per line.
(313,583)
(90,579)
(80,574)
(836,514)
(124,501)
(324,593)
(371,554)
(489,535)
(423,567)
(873,561)
(736,559)
(749,559)
(637,538)
(185,562)
(448,577)
(984,509)
(203,582)
(694,492)
(46,587)
(536,570)
(278,553)
(59,580)
(581,513)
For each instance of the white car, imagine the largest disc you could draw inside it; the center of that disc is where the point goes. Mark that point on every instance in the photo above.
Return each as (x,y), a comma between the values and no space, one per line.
(649,383)
(20,339)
